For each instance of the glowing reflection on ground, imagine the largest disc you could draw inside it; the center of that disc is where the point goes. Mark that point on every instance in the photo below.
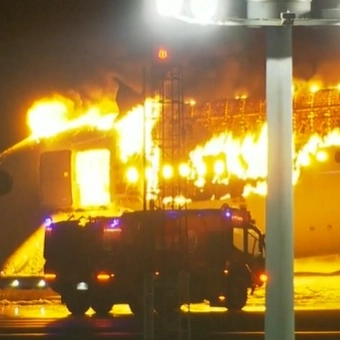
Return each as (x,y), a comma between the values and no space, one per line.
(311,292)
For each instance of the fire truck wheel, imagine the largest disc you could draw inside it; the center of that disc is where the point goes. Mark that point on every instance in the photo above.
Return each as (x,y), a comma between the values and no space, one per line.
(237,294)
(77,303)
(101,306)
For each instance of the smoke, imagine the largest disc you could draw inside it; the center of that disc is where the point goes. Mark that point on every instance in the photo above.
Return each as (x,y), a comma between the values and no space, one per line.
(316,54)
(221,64)
(66,48)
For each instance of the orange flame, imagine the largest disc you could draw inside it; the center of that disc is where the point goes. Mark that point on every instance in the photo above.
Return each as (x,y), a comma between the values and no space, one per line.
(220,159)
(50,116)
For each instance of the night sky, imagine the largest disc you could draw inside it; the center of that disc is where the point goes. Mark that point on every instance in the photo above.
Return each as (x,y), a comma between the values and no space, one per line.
(49,46)
(53,46)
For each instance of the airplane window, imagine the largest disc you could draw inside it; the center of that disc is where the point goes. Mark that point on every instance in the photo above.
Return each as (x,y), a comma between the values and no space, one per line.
(6,183)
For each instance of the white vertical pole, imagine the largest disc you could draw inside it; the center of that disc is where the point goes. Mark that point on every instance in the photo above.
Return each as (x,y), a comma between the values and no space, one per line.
(279,316)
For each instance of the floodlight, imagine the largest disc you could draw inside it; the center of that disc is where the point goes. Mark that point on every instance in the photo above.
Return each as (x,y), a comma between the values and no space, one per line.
(204,10)
(168,8)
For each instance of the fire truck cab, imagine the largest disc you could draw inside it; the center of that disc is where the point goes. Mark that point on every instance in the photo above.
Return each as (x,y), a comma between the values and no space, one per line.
(188,254)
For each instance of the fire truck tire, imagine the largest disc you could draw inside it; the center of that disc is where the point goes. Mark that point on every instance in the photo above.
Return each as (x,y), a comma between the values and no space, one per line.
(237,294)
(77,302)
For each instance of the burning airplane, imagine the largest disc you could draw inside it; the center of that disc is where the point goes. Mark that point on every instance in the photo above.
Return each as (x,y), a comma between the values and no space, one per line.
(99,161)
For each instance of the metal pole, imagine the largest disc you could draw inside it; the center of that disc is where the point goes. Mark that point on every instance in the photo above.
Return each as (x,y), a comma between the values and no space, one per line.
(279,315)
(144,188)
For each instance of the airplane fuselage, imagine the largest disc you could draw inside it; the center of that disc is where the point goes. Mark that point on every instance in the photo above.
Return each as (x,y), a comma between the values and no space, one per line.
(22,211)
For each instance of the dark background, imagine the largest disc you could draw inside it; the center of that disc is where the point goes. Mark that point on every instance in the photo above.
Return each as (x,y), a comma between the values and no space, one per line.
(63,46)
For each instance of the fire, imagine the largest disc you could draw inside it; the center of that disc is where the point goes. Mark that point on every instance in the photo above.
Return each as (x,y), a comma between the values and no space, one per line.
(50,116)
(132,131)
(93,177)
(47,118)
(135,131)
(218,161)
(244,158)
(225,157)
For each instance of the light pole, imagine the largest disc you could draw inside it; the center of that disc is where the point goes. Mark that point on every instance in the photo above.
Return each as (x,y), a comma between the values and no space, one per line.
(279,319)
(278,17)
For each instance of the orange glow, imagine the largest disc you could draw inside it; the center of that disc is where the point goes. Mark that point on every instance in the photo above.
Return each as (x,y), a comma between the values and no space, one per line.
(167,171)
(314,88)
(104,277)
(321,156)
(50,276)
(163,54)
(221,298)
(184,170)
(49,116)
(246,158)
(132,175)
(263,278)
(93,177)
(224,157)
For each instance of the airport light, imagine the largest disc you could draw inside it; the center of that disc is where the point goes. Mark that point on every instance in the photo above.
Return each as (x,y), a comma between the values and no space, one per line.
(278,17)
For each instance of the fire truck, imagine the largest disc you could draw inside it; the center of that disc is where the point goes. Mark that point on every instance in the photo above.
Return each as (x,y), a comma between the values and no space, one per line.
(190,255)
